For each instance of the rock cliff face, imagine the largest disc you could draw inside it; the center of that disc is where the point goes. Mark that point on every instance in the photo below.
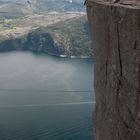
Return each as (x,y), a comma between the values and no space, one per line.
(115,27)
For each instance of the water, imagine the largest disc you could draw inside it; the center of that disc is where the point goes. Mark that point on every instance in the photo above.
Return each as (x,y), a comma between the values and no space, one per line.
(45,98)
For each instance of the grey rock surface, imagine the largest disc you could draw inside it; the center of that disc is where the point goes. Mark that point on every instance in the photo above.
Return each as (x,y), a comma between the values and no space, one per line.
(115,31)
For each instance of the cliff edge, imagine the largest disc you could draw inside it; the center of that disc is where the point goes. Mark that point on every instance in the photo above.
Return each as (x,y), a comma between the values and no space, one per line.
(115,27)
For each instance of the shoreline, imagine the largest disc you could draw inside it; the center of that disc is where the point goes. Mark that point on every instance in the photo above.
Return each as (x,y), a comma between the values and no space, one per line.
(50,54)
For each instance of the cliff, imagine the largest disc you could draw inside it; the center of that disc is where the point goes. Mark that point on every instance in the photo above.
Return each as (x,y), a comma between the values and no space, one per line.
(115,27)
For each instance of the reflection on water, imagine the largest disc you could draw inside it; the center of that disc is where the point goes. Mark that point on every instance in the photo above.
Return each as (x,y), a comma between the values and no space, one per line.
(45,98)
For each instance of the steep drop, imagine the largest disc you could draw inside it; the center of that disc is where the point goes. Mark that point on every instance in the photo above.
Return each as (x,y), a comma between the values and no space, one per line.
(115,27)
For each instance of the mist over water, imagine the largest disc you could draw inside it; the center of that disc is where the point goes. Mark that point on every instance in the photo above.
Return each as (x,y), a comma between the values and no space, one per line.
(45,98)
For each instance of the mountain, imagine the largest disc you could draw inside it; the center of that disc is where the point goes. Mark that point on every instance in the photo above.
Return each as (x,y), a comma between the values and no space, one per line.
(68,38)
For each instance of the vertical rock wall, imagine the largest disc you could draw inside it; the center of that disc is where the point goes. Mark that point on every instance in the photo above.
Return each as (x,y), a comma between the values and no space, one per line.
(115,27)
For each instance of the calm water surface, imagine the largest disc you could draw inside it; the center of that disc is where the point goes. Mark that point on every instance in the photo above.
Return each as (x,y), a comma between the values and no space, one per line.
(45,98)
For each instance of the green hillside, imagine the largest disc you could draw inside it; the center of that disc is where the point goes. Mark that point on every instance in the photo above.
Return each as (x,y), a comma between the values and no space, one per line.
(71,36)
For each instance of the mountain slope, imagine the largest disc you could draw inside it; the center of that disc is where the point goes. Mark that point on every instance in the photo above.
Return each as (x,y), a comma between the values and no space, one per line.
(69,38)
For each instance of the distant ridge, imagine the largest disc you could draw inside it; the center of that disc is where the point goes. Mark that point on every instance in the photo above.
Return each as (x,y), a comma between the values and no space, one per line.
(16,8)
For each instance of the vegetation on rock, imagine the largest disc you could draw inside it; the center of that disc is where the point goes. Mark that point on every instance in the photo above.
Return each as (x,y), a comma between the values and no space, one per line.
(71,36)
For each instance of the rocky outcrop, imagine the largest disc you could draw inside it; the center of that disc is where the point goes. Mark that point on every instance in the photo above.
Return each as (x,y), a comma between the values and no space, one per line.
(42,42)
(115,27)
